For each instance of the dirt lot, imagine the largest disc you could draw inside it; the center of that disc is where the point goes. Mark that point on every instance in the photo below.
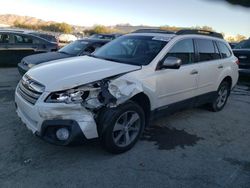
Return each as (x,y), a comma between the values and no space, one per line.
(192,148)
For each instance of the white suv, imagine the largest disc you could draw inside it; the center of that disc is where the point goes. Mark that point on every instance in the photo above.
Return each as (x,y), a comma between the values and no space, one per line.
(114,93)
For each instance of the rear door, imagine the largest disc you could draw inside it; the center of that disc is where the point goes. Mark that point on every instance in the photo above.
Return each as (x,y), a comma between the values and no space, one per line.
(21,47)
(5,53)
(209,65)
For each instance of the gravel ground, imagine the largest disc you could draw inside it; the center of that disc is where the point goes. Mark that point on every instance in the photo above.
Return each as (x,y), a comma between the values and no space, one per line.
(192,148)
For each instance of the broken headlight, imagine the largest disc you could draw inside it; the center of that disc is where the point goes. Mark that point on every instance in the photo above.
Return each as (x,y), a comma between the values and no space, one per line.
(69,96)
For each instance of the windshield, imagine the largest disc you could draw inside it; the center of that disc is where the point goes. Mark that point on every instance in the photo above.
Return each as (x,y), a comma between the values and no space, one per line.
(243,45)
(74,48)
(100,36)
(135,50)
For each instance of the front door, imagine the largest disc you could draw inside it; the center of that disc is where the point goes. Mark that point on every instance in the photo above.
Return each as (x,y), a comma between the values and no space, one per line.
(175,85)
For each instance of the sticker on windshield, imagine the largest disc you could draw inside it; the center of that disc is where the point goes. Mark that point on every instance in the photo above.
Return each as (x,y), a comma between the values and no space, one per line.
(161,38)
(84,42)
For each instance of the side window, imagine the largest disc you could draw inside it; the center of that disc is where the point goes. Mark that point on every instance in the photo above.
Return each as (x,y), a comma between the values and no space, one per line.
(4,38)
(217,52)
(97,46)
(183,50)
(207,50)
(225,52)
(89,49)
(36,41)
(19,39)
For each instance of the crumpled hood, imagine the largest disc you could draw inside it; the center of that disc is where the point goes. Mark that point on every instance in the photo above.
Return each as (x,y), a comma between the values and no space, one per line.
(71,72)
(44,57)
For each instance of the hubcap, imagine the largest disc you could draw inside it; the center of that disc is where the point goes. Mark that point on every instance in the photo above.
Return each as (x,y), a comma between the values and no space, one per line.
(126,128)
(223,93)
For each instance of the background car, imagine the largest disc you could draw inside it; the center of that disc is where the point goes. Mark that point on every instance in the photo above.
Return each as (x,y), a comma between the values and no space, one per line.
(46,36)
(105,36)
(66,38)
(242,52)
(76,48)
(15,45)
(233,44)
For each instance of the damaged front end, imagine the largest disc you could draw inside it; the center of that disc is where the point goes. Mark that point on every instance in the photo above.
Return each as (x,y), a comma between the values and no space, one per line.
(83,104)
(104,93)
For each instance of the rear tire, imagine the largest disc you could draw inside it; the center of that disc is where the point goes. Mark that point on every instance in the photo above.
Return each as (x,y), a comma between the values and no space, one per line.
(123,127)
(222,95)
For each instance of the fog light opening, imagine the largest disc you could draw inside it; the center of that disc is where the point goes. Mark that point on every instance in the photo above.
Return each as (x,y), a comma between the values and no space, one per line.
(62,134)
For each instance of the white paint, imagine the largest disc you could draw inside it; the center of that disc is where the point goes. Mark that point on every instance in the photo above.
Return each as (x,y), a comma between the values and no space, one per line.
(163,87)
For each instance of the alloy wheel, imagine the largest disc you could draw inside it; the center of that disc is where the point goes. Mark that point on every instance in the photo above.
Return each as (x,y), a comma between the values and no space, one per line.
(126,129)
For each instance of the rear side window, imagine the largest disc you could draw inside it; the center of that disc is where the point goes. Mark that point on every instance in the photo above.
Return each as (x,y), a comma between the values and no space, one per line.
(183,50)
(4,38)
(47,37)
(224,50)
(96,46)
(19,39)
(207,50)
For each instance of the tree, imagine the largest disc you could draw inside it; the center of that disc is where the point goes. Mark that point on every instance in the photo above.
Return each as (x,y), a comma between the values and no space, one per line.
(174,28)
(236,38)
(170,28)
(100,29)
(207,28)
(230,39)
(239,38)
(56,27)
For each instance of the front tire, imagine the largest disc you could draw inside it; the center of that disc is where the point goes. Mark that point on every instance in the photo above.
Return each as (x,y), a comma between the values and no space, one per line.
(123,127)
(221,97)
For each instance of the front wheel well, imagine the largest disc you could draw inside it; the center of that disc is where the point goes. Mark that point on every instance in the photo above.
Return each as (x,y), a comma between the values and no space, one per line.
(143,101)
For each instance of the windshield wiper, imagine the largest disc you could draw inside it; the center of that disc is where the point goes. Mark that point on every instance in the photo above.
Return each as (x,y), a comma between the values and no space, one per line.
(91,55)
(110,59)
(64,52)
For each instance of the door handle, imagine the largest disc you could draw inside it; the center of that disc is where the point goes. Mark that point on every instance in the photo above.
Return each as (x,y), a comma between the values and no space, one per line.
(194,72)
(220,66)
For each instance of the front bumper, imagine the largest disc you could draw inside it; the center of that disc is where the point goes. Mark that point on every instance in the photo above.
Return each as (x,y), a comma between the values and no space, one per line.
(22,69)
(43,119)
(49,128)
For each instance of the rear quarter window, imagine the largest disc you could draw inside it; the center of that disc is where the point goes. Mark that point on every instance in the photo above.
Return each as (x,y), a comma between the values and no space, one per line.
(224,50)
(19,39)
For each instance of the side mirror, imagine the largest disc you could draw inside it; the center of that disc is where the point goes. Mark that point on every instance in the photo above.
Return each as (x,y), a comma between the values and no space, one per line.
(171,63)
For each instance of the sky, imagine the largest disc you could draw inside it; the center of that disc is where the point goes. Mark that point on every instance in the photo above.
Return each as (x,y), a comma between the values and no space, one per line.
(218,14)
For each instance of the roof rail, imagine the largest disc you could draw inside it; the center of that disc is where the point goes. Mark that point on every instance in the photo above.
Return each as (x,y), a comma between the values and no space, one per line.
(199,32)
(12,30)
(153,31)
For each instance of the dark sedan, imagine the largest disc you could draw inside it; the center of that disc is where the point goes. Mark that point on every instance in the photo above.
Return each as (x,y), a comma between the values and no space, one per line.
(76,48)
(15,45)
(105,36)
(242,52)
